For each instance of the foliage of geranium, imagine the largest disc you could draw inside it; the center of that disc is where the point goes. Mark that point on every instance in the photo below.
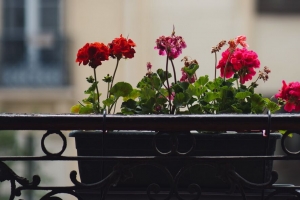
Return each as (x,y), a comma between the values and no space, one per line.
(232,92)
(191,95)
(93,54)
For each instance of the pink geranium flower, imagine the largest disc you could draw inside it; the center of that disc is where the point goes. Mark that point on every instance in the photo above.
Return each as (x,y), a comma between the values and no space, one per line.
(290,95)
(186,78)
(241,40)
(170,45)
(241,61)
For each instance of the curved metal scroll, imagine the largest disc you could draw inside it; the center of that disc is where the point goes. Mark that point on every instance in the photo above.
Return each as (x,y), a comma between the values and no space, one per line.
(283,146)
(192,188)
(174,143)
(7,174)
(50,132)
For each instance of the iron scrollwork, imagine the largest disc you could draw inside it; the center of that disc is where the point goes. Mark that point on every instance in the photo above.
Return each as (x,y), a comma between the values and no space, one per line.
(122,172)
(7,174)
(174,143)
(283,144)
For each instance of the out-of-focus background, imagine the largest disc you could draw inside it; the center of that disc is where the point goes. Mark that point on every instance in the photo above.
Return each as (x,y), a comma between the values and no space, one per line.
(39,40)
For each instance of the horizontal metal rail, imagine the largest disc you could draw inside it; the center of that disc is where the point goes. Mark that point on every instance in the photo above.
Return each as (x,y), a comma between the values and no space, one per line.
(220,122)
(144,158)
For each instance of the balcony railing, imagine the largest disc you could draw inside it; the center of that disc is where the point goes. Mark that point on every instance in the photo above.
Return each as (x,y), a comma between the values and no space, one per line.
(54,124)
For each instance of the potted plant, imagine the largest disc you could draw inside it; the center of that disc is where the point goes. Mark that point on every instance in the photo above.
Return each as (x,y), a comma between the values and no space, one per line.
(157,94)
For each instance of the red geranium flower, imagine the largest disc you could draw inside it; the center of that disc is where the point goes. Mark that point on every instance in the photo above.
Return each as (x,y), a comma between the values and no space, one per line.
(92,54)
(121,48)
(82,55)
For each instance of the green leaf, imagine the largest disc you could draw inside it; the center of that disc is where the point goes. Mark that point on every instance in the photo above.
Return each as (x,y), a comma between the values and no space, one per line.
(216,84)
(284,131)
(147,93)
(110,101)
(107,78)
(242,95)
(257,103)
(147,106)
(211,96)
(155,82)
(176,87)
(193,91)
(236,110)
(128,107)
(133,95)
(190,70)
(129,104)
(180,99)
(162,75)
(202,80)
(126,111)
(75,108)
(231,80)
(184,85)
(121,89)
(144,82)
(86,109)
(161,100)
(90,79)
(92,88)
(164,92)
(195,109)
(272,106)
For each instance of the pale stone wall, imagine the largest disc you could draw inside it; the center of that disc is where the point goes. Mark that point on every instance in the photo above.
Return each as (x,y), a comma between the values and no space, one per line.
(202,24)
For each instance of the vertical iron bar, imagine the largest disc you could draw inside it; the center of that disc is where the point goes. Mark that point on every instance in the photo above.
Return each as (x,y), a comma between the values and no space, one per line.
(267,132)
(102,192)
(30,164)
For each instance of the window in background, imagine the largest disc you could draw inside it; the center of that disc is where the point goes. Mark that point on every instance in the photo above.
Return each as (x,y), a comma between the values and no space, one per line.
(278,6)
(32,51)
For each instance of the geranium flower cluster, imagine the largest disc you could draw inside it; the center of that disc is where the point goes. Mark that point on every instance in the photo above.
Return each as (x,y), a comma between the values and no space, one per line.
(157,94)
(121,48)
(185,77)
(290,96)
(238,61)
(94,53)
(171,45)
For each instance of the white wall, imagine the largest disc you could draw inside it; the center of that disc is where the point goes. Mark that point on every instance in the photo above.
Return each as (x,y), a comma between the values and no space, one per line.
(277,41)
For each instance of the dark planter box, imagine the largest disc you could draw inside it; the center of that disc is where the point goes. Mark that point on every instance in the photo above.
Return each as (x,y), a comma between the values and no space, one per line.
(139,143)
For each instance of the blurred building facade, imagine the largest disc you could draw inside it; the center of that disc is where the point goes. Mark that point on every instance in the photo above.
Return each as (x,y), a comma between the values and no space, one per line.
(39,40)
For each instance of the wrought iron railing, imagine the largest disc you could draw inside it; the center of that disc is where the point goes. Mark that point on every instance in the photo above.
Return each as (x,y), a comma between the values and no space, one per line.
(54,124)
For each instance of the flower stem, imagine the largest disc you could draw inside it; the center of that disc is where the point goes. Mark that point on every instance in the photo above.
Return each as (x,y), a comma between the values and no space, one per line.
(113,77)
(107,90)
(110,108)
(174,72)
(98,95)
(215,65)
(227,64)
(237,84)
(168,85)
